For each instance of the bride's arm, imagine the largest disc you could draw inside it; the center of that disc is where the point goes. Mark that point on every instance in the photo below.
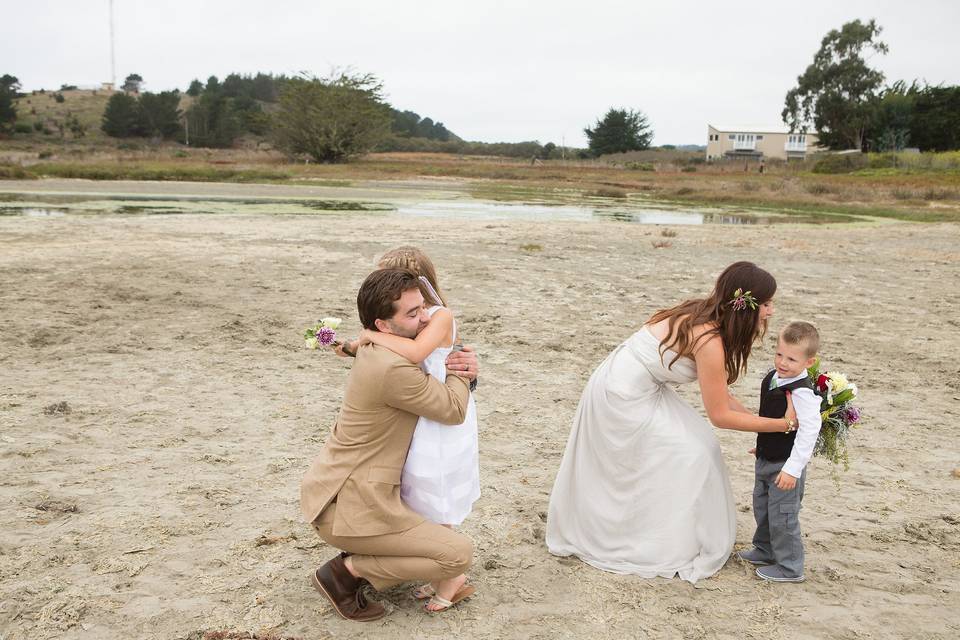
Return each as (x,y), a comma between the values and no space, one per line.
(438,332)
(712,375)
(736,405)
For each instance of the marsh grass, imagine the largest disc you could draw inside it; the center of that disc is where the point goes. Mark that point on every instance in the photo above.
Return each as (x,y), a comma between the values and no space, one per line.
(157,171)
(609,192)
(917,195)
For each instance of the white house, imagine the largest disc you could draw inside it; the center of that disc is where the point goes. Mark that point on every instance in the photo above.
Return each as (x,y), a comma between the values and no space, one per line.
(753,142)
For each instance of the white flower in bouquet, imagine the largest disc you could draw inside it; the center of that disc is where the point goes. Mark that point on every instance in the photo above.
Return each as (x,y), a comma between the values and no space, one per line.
(332,323)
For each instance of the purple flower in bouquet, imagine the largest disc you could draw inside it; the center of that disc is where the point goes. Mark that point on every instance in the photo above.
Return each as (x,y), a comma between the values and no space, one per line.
(851,414)
(326,336)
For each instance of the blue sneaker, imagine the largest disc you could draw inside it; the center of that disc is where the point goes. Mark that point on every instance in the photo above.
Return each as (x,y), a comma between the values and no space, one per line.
(774,573)
(753,556)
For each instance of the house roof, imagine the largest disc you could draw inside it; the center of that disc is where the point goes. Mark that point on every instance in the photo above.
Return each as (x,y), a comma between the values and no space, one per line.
(750,128)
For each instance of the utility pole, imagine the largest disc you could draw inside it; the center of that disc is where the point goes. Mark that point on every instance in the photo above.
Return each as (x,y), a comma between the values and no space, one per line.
(113,60)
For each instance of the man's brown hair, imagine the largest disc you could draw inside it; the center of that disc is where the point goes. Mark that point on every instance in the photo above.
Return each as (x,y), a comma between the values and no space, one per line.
(379,292)
(802,333)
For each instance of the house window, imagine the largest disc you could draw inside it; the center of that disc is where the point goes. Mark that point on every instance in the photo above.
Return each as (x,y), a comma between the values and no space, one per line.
(759,137)
(731,137)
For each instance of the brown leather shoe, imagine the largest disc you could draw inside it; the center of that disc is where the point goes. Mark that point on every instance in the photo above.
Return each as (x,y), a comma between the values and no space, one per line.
(346,592)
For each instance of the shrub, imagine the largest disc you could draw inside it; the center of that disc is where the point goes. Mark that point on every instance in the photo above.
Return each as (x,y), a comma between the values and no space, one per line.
(22,127)
(688,168)
(43,155)
(840,163)
(38,126)
(14,172)
(59,97)
(640,166)
(609,192)
(819,189)
(903,194)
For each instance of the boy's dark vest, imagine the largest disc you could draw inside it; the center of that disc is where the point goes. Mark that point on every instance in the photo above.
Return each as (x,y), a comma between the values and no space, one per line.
(775,447)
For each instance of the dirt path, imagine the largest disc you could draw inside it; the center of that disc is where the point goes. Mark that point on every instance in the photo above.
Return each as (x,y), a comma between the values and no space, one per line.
(157,410)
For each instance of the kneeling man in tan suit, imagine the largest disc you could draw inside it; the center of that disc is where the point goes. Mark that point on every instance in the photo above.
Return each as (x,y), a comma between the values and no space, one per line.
(351,493)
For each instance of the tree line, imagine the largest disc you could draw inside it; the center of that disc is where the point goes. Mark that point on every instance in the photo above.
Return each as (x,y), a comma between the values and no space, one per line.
(219,112)
(845,100)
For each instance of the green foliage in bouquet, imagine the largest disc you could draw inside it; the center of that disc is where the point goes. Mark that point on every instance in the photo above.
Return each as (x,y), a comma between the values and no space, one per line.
(838,414)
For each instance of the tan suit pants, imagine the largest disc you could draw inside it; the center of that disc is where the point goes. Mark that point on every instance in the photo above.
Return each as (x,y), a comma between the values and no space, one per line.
(427,552)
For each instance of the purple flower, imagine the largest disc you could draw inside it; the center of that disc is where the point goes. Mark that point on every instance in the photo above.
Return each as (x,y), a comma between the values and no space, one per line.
(326,336)
(852,414)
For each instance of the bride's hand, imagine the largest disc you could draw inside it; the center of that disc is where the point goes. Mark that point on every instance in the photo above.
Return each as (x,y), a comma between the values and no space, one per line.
(791,414)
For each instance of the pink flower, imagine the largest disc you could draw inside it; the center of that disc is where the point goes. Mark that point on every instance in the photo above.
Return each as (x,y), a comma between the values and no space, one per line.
(326,336)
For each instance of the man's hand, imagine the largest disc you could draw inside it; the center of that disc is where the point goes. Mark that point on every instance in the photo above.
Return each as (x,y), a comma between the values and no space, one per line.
(785,481)
(463,363)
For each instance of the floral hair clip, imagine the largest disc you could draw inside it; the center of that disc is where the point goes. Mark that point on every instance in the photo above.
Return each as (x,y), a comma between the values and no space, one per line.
(742,299)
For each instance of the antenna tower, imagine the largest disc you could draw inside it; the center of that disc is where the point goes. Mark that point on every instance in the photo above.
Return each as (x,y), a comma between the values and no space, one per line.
(113,60)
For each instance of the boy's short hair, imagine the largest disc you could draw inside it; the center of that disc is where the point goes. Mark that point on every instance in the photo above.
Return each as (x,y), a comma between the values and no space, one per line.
(379,292)
(802,333)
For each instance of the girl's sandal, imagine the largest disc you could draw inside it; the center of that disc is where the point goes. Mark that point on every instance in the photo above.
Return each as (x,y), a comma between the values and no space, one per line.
(424,591)
(464,592)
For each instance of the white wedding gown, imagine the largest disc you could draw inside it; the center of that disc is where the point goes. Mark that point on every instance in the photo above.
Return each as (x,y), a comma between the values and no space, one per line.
(642,488)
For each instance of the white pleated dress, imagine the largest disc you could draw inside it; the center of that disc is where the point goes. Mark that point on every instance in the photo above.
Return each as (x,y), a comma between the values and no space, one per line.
(441,477)
(643,488)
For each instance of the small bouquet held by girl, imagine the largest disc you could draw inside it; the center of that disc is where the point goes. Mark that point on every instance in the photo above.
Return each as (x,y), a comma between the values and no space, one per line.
(838,413)
(322,334)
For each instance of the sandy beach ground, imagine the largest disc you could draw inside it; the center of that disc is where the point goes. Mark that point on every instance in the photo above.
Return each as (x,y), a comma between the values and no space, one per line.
(157,410)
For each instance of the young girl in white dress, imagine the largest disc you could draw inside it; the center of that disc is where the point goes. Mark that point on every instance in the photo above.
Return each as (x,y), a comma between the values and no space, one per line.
(441,477)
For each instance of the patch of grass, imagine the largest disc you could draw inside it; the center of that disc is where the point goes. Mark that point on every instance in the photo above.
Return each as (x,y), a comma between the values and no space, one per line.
(903,194)
(685,191)
(661,244)
(171,172)
(15,172)
(668,233)
(819,189)
(609,192)
(531,247)
(939,194)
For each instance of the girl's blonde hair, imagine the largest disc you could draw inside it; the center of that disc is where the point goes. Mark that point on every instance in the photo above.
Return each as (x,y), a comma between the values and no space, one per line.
(417,261)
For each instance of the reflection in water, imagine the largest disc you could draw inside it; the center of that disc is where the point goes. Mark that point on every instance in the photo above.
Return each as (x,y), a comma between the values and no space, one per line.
(33,212)
(466,209)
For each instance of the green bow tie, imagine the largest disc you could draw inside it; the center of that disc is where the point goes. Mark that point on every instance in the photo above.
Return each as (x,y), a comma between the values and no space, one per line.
(773,383)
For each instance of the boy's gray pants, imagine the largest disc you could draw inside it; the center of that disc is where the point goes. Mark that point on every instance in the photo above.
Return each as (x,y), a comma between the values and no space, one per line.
(778,518)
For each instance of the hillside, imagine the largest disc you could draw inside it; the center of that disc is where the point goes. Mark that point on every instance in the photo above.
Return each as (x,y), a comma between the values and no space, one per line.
(43,108)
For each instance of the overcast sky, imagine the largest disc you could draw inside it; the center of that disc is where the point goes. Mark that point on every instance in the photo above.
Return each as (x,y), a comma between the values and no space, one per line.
(490,71)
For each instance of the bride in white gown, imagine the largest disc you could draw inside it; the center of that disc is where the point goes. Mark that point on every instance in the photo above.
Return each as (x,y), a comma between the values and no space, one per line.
(643,488)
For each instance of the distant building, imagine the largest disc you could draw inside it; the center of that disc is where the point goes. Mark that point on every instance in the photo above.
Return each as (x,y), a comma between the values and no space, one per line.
(758,143)
(106,86)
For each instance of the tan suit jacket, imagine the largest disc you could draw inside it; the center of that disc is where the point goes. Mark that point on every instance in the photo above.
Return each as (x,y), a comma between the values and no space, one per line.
(361,462)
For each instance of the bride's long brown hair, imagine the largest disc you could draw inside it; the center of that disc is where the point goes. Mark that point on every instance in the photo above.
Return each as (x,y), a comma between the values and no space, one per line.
(738,329)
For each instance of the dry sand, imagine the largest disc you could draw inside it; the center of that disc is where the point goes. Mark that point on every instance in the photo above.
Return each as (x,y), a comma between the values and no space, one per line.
(157,409)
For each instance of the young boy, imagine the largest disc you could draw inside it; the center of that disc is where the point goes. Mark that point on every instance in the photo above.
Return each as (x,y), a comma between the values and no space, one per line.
(782,457)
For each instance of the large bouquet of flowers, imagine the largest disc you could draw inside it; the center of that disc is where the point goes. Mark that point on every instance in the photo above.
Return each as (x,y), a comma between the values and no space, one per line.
(838,413)
(322,334)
